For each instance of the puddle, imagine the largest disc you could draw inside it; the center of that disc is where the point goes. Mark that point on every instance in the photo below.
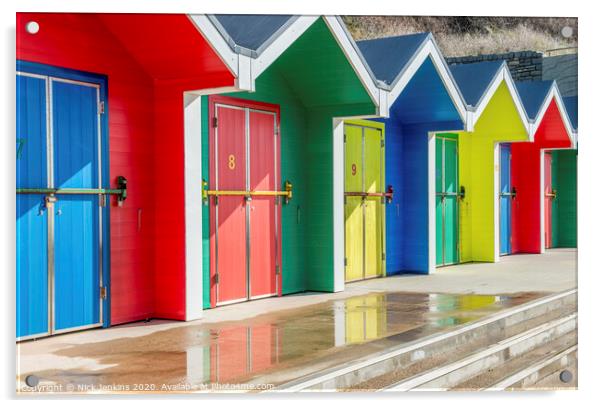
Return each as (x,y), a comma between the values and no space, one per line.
(238,352)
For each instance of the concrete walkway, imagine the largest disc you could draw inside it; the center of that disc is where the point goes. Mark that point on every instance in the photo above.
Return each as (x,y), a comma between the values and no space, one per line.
(277,332)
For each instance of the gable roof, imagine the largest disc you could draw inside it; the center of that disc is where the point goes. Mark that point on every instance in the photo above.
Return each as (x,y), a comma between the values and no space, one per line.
(571,105)
(388,56)
(395,60)
(249,44)
(533,95)
(473,79)
(250,34)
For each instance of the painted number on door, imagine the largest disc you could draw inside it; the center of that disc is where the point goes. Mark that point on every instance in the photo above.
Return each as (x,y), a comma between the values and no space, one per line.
(231,162)
(353,169)
(20,145)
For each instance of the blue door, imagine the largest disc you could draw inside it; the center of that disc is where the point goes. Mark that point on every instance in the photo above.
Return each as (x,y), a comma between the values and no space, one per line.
(32,216)
(75,137)
(59,236)
(505,201)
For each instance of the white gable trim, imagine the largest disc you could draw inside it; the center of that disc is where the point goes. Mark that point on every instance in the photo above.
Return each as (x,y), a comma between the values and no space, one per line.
(356,60)
(429,49)
(280,44)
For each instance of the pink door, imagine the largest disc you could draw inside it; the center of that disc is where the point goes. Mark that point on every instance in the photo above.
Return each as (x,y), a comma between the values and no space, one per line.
(244,211)
(262,214)
(549,196)
(228,213)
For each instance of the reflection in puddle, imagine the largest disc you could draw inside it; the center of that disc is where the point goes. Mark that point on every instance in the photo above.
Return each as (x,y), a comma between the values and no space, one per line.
(237,352)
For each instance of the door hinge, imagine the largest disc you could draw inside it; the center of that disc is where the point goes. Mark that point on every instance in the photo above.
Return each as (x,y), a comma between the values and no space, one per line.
(277,129)
(345,261)
(217,278)
(103,292)
(216,200)
(383,256)
(215,121)
(345,138)
(277,269)
(101,107)
(102,200)
(382,142)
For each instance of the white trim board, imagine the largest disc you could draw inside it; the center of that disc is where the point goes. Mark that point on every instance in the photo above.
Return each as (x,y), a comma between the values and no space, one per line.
(193,206)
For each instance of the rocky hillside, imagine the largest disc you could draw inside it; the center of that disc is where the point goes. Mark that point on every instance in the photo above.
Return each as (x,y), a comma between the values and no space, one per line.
(459,36)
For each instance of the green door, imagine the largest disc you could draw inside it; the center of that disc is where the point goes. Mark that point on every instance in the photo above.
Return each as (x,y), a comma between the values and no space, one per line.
(364,206)
(446,189)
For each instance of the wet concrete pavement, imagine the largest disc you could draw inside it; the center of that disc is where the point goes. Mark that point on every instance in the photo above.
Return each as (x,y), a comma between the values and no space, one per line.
(265,350)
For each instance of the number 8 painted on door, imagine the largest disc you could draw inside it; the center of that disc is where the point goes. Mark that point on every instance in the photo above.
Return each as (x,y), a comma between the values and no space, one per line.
(231,162)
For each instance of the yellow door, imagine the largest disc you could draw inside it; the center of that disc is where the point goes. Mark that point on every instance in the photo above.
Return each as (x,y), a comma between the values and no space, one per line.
(364,214)
(354,217)
(373,206)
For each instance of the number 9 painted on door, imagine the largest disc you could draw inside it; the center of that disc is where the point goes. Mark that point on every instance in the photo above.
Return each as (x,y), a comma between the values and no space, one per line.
(353,169)
(231,162)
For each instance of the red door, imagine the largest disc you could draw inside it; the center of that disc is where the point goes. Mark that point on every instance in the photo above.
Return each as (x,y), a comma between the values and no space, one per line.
(548,198)
(244,233)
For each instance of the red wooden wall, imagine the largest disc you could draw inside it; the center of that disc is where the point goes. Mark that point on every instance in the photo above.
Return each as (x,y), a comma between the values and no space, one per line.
(526,177)
(149,61)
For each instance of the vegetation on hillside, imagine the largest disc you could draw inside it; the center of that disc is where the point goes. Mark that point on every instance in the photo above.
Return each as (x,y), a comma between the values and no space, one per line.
(460,36)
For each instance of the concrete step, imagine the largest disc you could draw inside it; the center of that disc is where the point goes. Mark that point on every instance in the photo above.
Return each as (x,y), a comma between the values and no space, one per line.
(543,374)
(512,373)
(496,355)
(380,369)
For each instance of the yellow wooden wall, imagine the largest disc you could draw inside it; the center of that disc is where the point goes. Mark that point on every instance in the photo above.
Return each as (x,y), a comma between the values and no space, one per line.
(499,122)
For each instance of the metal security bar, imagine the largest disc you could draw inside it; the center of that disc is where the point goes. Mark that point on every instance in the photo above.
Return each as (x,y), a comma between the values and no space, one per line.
(120,192)
(552,194)
(511,194)
(388,195)
(287,193)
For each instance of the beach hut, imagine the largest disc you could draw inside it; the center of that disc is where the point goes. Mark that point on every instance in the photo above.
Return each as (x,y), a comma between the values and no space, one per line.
(100,166)
(469,163)
(390,163)
(273,155)
(527,191)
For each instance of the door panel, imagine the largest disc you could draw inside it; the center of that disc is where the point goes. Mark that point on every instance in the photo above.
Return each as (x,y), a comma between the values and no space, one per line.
(505,200)
(373,211)
(439,226)
(76,261)
(451,229)
(548,201)
(76,218)
(231,210)
(262,211)
(32,222)
(446,201)
(451,167)
(354,209)
(354,231)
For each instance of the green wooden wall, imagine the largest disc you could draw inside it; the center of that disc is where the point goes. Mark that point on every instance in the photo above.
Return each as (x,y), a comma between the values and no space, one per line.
(564,214)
